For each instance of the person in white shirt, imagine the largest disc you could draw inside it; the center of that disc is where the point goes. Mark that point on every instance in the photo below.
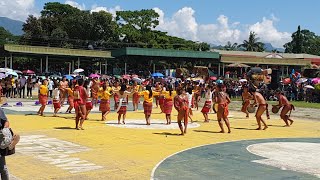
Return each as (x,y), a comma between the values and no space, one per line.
(190,100)
(56,100)
(50,87)
(207,105)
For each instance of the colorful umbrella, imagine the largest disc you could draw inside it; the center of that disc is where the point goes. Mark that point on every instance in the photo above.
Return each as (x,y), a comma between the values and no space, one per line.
(5,70)
(28,72)
(68,77)
(17,71)
(157,75)
(126,76)
(316,80)
(302,80)
(213,78)
(11,73)
(94,76)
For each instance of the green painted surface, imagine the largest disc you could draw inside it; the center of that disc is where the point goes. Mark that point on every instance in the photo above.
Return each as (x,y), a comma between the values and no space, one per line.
(229,160)
(56,51)
(164,53)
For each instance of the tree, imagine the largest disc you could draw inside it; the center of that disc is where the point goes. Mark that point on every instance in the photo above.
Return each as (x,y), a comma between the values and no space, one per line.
(253,44)
(303,41)
(4,35)
(231,47)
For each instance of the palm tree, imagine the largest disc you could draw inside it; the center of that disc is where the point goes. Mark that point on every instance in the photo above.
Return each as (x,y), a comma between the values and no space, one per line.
(231,47)
(252,44)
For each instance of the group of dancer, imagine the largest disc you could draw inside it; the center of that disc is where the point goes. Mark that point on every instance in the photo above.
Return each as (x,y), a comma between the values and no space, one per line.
(82,95)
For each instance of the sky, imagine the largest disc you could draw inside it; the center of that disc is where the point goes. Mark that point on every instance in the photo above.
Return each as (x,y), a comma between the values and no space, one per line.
(212,21)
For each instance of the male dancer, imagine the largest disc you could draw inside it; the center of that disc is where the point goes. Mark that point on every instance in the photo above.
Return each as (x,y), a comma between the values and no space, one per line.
(223,100)
(262,106)
(246,96)
(283,102)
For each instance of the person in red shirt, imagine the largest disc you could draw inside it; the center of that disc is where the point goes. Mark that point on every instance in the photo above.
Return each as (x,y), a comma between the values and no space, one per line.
(287,106)
(80,97)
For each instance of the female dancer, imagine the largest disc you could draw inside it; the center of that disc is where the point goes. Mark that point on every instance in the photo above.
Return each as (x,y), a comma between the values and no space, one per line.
(181,105)
(122,104)
(189,94)
(89,105)
(43,97)
(80,97)
(104,107)
(207,105)
(63,92)
(157,97)
(115,88)
(148,95)
(168,102)
(135,96)
(70,98)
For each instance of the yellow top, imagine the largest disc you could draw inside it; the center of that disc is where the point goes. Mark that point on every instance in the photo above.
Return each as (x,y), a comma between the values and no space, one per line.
(105,95)
(167,94)
(43,90)
(12,81)
(70,92)
(145,95)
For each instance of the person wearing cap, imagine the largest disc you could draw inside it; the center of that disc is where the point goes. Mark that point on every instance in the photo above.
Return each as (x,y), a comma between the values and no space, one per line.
(286,107)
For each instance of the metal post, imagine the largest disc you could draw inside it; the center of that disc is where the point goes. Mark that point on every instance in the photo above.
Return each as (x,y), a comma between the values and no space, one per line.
(125,68)
(72,66)
(154,68)
(287,70)
(219,69)
(100,66)
(106,67)
(41,65)
(47,63)
(78,62)
(5,62)
(69,68)
(10,61)
(223,70)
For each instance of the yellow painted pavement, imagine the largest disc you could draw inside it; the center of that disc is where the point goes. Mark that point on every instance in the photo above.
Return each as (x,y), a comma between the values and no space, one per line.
(133,153)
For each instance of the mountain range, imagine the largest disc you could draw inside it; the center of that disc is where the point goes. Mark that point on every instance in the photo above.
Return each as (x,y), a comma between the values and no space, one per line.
(13,26)
(267,48)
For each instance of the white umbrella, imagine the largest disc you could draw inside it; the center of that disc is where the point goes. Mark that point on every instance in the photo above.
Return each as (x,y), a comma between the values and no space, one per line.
(309,87)
(78,71)
(11,73)
(138,80)
(242,80)
(5,70)
(302,80)
(17,71)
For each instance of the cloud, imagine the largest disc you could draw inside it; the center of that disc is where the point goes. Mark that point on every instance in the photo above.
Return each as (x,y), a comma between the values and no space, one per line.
(184,24)
(17,9)
(268,32)
(76,5)
(112,11)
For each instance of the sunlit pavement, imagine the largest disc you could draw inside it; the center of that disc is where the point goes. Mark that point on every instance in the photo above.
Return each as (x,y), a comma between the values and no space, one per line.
(51,148)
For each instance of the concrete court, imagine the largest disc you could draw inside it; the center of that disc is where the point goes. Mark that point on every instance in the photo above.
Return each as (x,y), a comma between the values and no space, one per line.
(51,148)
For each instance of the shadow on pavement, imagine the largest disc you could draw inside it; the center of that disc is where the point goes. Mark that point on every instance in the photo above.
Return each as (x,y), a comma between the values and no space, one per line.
(168,134)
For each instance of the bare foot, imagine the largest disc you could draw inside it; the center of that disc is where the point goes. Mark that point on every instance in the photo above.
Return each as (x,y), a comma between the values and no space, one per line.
(205,121)
(123,122)
(259,128)
(81,128)
(286,125)
(119,122)
(229,132)
(266,127)
(77,128)
(221,132)
(291,122)
(181,134)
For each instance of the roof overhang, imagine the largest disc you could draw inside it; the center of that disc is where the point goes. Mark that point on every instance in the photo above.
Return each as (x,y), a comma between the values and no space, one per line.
(129,51)
(266,61)
(41,50)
